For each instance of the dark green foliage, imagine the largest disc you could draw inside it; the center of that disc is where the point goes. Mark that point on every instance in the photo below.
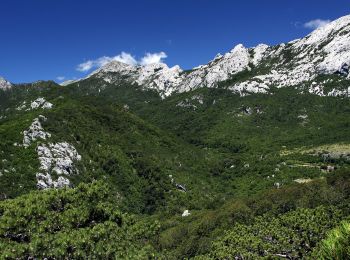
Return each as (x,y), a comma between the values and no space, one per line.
(79,223)
(336,245)
(194,236)
(291,235)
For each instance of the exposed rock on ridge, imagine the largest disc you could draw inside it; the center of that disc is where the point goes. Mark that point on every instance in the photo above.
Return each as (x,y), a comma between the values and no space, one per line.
(4,84)
(250,70)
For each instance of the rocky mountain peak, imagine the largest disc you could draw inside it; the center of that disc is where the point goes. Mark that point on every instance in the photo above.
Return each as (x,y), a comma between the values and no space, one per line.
(329,45)
(335,28)
(4,84)
(115,66)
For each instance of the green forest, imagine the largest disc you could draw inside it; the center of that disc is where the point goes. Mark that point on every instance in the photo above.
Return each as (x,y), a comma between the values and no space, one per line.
(261,176)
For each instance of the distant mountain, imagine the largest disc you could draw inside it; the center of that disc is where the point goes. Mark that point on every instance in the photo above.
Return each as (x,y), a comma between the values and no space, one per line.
(4,84)
(326,51)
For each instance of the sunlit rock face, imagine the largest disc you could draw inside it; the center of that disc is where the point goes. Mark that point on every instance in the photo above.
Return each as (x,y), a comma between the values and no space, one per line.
(4,84)
(56,159)
(35,132)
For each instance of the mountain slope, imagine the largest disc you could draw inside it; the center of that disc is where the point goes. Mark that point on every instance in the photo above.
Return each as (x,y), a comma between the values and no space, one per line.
(79,139)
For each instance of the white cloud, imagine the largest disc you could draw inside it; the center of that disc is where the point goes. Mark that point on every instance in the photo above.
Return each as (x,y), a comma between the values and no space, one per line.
(126,58)
(317,23)
(85,66)
(123,57)
(152,58)
(60,78)
(149,58)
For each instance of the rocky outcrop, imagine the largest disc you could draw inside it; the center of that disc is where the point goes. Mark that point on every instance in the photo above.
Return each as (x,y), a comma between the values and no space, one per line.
(219,69)
(35,132)
(39,103)
(193,102)
(56,159)
(156,76)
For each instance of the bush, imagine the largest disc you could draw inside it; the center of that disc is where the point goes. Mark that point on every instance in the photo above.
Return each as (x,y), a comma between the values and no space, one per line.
(337,244)
(292,235)
(79,223)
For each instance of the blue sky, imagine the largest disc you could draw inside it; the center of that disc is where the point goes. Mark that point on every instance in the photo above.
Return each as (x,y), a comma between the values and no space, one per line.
(47,39)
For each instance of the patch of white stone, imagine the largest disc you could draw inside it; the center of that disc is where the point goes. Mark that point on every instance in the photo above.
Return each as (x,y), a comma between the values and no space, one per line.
(23,106)
(198,98)
(35,132)
(339,93)
(193,102)
(36,104)
(277,185)
(41,103)
(56,159)
(316,89)
(4,84)
(186,213)
(302,181)
(304,118)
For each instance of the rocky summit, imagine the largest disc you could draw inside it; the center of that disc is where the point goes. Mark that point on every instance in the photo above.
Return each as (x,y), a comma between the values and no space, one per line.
(4,84)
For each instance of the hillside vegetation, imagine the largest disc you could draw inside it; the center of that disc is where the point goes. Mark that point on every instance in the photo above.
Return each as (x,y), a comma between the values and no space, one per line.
(263,176)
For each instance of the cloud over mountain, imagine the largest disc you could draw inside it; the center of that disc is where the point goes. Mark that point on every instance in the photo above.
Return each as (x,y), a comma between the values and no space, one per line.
(149,58)
(317,23)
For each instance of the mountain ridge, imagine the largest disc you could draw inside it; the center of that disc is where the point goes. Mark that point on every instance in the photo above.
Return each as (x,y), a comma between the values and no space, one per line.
(4,84)
(324,51)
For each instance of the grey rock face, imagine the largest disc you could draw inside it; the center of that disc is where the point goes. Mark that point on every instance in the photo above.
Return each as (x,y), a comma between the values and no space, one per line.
(57,159)
(35,132)
(41,103)
(4,84)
